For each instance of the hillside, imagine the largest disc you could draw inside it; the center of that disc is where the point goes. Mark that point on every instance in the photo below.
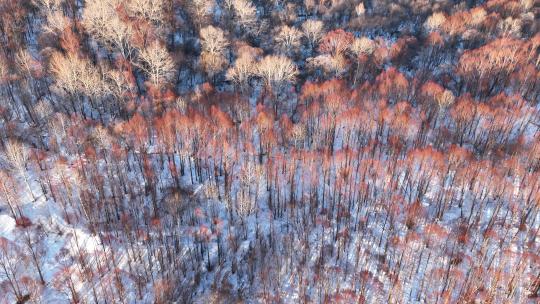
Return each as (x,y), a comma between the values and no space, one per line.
(269,151)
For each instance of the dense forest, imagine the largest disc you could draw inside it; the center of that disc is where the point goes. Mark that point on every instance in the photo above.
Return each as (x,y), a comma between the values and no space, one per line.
(269,151)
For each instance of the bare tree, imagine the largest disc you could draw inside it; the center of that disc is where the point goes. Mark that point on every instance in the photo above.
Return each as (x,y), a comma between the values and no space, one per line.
(56,22)
(250,175)
(244,66)
(77,76)
(103,23)
(276,70)
(12,266)
(43,110)
(213,63)
(55,19)
(332,65)
(8,193)
(33,241)
(67,70)
(200,11)
(288,39)
(313,31)
(360,10)
(48,5)
(29,66)
(242,70)
(363,45)
(17,155)
(213,43)
(445,99)
(119,87)
(213,40)
(510,27)
(150,10)
(4,69)
(435,22)
(361,48)
(157,64)
(57,129)
(245,13)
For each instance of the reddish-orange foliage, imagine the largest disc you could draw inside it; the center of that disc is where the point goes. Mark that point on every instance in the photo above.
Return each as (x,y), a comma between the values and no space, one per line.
(336,42)
(393,85)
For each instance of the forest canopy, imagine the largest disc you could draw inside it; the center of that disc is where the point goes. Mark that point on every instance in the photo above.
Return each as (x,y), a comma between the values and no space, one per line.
(269,151)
